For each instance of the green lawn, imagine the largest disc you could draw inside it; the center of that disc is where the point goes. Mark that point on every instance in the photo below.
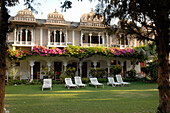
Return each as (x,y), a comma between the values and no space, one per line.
(137,98)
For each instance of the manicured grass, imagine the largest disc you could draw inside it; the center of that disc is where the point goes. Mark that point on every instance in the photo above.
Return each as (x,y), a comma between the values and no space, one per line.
(138,97)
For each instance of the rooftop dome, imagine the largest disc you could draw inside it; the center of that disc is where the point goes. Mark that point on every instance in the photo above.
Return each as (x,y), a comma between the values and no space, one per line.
(25,15)
(55,17)
(89,19)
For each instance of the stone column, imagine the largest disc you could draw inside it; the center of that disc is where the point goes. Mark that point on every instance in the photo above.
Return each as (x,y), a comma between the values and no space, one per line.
(110,41)
(49,66)
(80,67)
(95,64)
(122,63)
(65,65)
(54,37)
(15,33)
(66,37)
(49,36)
(26,37)
(31,64)
(99,37)
(135,42)
(108,64)
(103,39)
(107,39)
(13,71)
(60,36)
(32,36)
(81,38)
(73,37)
(21,36)
(90,37)
(41,36)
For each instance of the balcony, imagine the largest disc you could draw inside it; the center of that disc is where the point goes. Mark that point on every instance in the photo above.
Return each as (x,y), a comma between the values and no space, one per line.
(23,43)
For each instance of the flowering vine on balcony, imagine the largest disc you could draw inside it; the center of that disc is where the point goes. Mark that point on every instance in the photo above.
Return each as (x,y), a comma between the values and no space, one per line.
(72,51)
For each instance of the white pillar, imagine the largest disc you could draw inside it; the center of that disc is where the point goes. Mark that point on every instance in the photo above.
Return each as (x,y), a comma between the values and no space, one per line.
(99,37)
(17,36)
(26,32)
(49,66)
(41,36)
(49,36)
(81,39)
(13,71)
(110,41)
(73,37)
(15,33)
(95,64)
(103,39)
(21,36)
(31,64)
(135,43)
(32,36)
(60,36)
(54,41)
(108,64)
(80,67)
(14,48)
(90,37)
(107,39)
(66,37)
(122,63)
(65,65)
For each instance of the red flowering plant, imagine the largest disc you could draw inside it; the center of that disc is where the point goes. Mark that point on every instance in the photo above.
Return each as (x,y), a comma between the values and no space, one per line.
(74,51)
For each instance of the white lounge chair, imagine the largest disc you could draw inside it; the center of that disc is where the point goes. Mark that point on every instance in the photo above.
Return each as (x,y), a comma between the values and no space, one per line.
(112,82)
(120,80)
(47,83)
(69,83)
(94,81)
(79,82)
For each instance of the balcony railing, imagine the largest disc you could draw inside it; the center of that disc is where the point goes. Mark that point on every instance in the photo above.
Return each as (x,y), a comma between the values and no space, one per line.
(23,43)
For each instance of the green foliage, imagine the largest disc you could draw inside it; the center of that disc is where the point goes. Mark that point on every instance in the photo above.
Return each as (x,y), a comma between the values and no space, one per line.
(131,73)
(151,70)
(85,80)
(56,82)
(24,81)
(116,69)
(13,82)
(102,80)
(62,78)
(48,74)
(98,72)
(34,82)
(70,71)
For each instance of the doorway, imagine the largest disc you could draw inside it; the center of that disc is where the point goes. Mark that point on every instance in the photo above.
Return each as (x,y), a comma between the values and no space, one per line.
(84,70)
(57,70)
(36,71)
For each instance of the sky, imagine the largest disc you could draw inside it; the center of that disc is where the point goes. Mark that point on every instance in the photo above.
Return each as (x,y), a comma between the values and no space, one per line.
(48,6)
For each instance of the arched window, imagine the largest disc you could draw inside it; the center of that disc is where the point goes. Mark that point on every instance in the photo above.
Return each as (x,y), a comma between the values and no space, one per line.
(57,36)
(24,35)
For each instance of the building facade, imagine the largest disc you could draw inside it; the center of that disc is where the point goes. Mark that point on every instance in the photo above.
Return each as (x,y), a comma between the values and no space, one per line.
(56,32)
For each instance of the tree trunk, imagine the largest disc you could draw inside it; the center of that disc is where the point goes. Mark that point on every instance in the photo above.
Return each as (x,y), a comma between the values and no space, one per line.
(163,73)
(3,47)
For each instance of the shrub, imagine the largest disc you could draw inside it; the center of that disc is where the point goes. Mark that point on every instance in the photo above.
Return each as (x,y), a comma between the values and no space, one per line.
(85,80)
(24,81)
(12,82)
(70,71)
(102,80)
(98,72)
(116,69)
(131,73)
(151,70)
(62,78)
(34,82)
(56,82)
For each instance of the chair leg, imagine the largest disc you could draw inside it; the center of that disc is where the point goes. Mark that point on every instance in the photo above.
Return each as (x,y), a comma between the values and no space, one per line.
(103,86)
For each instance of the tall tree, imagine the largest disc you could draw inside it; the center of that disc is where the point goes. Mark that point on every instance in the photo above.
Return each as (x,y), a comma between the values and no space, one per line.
(143,19)
(4,28)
